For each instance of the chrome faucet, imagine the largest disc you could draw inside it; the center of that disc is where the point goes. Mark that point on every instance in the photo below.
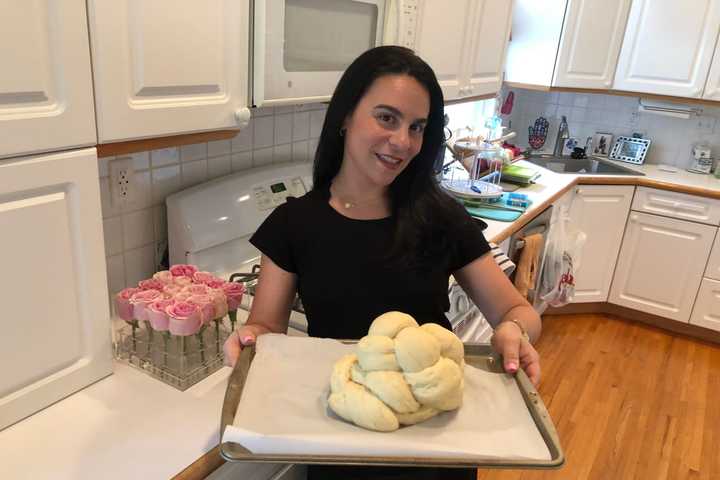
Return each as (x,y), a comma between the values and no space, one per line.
(563,134)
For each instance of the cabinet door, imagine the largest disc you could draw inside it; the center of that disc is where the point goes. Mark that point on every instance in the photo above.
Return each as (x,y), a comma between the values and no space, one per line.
(46,98)
(55,320)
(590,44)
(706,312)
(661,264)
(168,67)
(712,86)
(668,47)
(442,41)
(600,211)
(489,40)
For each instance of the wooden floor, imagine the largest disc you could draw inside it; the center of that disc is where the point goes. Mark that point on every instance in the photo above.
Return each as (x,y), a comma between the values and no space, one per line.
(629,401)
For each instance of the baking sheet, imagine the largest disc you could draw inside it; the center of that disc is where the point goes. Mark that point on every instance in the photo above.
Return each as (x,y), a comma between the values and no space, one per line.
(283,413)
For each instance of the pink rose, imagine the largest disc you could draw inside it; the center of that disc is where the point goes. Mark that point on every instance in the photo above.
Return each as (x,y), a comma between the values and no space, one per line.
(172,289)
(184,318)
(157,315)
(197,289)
(207,307)
(183,281)
(206,278)
(182,296)
(234,292)
(182,270)
(151,284)
(140,300)
(164,276)
(123,307)
(220,302)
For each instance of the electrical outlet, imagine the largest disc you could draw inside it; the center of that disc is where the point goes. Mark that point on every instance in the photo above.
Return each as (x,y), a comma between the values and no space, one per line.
(122,180)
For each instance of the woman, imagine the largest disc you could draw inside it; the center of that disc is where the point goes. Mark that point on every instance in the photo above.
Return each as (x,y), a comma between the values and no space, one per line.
(377,234)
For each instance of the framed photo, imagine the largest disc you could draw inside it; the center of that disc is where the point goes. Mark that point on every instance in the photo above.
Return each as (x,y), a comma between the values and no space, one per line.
(601,144)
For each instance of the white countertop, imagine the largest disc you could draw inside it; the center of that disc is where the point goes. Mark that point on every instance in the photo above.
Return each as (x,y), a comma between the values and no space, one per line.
(130,425)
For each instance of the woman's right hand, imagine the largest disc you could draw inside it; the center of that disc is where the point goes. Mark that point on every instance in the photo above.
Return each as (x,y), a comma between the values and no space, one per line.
(240,338)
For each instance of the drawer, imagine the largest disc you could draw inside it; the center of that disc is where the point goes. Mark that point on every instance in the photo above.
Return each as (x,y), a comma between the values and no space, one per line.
(706,312)
(712,270)
(677,205)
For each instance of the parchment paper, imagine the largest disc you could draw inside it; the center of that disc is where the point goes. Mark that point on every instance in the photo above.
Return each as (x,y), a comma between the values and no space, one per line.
(284,410)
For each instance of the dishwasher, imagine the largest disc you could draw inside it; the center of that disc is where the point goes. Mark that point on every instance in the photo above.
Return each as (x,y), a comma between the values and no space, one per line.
(538,225)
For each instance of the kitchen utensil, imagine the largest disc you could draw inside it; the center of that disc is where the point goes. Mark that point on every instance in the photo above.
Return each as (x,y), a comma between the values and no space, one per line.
(702,160)
(538,133)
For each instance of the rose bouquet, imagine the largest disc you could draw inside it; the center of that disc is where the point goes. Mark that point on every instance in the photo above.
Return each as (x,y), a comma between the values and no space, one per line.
(181,301)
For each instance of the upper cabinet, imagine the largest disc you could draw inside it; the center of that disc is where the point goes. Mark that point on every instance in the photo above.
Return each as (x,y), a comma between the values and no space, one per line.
(566,43)
(468,58)
(590,43)
(168,67)
(668,47)
(46,97)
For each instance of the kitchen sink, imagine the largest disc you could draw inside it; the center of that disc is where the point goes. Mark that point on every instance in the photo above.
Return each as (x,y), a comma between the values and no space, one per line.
(587,166)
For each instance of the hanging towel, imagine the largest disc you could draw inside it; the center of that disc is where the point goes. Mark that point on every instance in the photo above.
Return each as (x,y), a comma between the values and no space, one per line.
(528,264)
(507,106)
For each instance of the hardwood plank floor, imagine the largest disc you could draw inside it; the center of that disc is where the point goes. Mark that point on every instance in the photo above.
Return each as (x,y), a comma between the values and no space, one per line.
(629,401)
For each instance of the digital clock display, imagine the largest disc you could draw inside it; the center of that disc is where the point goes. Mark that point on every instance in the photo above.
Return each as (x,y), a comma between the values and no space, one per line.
(278,187)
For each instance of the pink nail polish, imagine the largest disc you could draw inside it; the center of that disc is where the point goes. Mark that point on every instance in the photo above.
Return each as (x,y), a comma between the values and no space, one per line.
(512,367)
(246,340)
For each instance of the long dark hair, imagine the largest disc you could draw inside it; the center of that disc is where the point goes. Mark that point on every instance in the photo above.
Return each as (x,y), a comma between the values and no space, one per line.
(423,212)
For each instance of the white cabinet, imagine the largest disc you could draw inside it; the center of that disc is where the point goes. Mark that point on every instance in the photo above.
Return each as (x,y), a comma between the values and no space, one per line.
(168,67)
(46,97)
(677,205)
(712,270)
(706,312)
(668,47)
(590,43)
(465,44)
(55,319)
(601,212)
(566,43)
(661,264)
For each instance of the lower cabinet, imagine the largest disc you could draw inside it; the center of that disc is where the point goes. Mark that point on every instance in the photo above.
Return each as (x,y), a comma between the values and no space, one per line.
(661,265)
(706,312)
(601,212)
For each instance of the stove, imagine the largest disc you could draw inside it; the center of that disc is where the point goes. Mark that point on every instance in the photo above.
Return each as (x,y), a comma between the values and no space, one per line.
(209,225)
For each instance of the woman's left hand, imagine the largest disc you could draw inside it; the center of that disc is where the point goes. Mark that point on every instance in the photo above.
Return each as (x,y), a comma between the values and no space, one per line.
(516,351)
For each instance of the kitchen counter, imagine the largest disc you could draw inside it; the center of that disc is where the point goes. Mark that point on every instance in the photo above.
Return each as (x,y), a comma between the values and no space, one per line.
(130,425)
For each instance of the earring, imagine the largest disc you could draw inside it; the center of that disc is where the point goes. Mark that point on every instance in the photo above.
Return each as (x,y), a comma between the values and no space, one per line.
(342,132)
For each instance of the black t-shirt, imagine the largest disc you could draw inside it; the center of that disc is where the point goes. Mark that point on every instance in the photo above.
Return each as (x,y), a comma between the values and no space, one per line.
(344,279)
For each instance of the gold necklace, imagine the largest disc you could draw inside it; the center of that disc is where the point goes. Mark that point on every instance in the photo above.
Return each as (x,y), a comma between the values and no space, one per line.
(351,204)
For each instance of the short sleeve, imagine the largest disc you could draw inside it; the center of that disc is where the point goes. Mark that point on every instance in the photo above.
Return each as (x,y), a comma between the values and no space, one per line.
(274,239)
(470,244)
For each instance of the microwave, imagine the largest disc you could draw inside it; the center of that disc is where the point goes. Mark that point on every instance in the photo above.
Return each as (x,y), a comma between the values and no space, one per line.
(300,48)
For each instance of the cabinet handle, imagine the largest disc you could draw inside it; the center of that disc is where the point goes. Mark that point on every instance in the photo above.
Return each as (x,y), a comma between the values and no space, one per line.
(242,116)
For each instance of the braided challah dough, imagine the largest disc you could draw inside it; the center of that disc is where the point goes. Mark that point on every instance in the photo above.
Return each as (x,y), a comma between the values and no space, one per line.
(402,374)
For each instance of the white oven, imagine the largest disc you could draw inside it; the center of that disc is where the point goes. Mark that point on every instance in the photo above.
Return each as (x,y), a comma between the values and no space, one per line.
(301,47)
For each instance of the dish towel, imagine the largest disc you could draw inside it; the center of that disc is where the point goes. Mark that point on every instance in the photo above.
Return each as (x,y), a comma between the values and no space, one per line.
(528,264)
(503,261)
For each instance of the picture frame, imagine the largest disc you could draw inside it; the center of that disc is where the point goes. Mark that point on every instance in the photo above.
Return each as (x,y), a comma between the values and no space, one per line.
(630,150)
(601,144)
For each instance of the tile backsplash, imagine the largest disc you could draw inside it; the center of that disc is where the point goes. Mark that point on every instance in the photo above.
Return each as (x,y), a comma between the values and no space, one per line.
(672,138)
(136,233)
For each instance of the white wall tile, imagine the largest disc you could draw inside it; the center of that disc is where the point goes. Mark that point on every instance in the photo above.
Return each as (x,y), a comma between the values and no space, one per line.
(113,233)
(141,193)
(164,182)
(283,128)
(104,166)
(300,151)
(164,156)
(262,112)
(317,117)
(194,172)
(282,153)
(196,151)
(217,148)
(108,209)
(241,161)
(115,273)
(312,146)
(219,166)
(141,160)
(263,132)
(301,126)
(160,218)
(284,109)
(139,264)
(243,141)
(262,156)
(138,228)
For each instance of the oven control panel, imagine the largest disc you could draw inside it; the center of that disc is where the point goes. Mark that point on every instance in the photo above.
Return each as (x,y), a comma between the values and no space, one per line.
(271,194)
